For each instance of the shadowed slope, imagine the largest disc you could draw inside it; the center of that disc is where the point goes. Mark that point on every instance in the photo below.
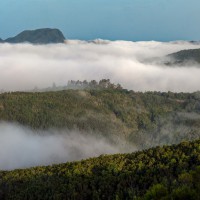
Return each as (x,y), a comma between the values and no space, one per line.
(39,36)
(144,119)
(184,57)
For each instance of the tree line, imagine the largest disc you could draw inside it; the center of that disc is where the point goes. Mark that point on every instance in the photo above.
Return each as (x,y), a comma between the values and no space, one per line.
(161,173)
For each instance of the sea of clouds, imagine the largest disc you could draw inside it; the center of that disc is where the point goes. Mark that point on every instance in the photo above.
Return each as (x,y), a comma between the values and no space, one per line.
(132,64)
(25,66)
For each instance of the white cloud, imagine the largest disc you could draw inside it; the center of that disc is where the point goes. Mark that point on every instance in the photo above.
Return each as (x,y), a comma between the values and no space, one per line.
(21,147)
(24,66)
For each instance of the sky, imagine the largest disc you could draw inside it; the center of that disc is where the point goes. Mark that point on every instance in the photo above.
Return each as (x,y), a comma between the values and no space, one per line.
(135,20)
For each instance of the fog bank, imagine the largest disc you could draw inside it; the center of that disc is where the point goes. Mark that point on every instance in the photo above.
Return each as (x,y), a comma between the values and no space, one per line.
(25,66)
(21,147)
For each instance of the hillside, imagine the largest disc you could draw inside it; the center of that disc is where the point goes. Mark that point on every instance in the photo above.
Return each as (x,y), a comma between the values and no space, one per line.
(184,57)
(143,119)
(169,172)
(38,36)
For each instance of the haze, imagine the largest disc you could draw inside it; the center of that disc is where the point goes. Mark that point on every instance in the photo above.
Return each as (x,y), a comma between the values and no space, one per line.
(21,147)
(25,66)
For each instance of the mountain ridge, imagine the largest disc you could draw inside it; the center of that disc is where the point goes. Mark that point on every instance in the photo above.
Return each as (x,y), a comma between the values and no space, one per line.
(37,36)
(187,55)
(115,113)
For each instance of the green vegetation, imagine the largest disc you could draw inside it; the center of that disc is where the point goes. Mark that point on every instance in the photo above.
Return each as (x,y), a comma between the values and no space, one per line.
(141,119)
(185,56)
(144,119)
(169,172)
(81,85)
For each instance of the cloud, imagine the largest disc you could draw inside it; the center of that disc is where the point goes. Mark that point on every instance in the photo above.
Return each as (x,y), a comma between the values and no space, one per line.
(22,147)
(24,66)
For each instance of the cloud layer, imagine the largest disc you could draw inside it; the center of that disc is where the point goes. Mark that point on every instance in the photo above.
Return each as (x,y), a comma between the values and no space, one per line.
(21,147)
(24,66)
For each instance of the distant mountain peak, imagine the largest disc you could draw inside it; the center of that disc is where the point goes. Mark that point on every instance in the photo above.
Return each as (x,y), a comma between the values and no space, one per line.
(38,36)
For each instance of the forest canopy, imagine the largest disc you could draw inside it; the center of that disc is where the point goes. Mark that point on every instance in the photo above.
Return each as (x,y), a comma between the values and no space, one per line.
(168,172)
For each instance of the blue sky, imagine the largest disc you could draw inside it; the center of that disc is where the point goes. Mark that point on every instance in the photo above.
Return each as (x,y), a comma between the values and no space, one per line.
(161,20)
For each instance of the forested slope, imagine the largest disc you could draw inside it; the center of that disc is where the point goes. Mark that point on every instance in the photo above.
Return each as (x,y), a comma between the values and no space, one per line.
(169,172)
(184,57)
(145,119)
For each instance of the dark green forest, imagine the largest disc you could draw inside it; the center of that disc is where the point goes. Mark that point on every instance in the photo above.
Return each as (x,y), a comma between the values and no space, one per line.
(145,119)
(168,172)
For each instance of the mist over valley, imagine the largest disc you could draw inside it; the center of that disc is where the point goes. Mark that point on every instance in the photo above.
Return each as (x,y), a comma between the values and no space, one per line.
(98,116)
(122,62)
(41,128)
(99,100)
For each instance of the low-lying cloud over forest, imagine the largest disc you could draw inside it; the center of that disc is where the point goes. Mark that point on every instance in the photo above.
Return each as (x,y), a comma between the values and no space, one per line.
(25,66)
(22,147)
(135,65)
